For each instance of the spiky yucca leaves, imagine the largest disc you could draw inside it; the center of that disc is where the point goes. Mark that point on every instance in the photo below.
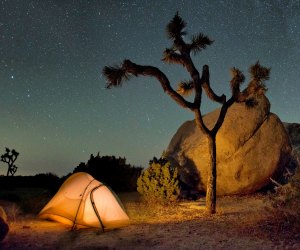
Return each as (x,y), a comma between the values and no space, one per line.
(185,87)
(259,75)
(114,75)
(237,79)
(200,42)
(171,56)
(175,27)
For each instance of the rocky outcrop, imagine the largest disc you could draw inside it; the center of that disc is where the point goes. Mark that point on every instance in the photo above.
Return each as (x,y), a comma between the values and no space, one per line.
(3,224)
(252,146)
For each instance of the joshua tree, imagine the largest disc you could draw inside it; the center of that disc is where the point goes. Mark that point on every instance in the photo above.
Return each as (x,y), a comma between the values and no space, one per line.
(10,157)
(180,53)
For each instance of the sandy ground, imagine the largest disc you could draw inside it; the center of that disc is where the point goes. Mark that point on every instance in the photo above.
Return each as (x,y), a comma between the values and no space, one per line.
(241,223)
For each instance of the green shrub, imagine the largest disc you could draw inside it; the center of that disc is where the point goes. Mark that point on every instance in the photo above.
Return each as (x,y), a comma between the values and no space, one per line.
(159,183)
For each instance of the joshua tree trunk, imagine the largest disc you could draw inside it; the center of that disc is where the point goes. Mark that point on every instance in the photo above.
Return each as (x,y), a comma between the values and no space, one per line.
(211,191)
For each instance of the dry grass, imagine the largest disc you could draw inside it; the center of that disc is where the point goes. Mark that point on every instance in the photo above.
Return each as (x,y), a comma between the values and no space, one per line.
(156,213)
(241,222)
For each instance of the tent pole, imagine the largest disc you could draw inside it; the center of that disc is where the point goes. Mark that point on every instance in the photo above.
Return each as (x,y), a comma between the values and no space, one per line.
(94,206)
(74,222)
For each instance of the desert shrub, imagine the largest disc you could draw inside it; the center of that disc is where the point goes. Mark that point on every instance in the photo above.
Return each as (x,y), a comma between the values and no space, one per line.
(9,196)
(112,171)
(159,182)
(34,204)
(285,201)
(48,181)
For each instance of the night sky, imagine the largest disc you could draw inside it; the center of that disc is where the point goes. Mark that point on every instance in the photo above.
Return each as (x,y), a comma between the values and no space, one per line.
(55,109)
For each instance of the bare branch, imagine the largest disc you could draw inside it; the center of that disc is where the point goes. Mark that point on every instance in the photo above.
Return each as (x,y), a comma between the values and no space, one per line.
(206,86)
(275,182)
(237,79)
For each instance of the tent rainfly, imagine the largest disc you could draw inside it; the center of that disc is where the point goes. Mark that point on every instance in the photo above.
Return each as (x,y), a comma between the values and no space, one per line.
(83,201)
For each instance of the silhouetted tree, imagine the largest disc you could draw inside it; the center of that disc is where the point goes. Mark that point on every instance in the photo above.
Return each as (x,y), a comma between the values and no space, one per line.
(10,157)
(180,53)
(112,171)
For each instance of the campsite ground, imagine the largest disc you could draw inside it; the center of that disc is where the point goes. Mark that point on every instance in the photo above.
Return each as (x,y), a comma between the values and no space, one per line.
(241,223)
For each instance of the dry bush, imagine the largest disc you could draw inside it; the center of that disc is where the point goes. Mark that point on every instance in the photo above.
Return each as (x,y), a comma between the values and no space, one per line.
(14,212)
(154,213)
(285,202)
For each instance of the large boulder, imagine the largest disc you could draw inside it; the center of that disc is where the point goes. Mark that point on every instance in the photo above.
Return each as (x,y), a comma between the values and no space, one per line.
(252,146)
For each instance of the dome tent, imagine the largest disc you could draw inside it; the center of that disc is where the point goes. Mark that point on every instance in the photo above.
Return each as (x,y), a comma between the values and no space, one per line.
(82,201)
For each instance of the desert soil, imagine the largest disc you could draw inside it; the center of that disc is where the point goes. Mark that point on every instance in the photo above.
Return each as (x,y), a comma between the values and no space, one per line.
(241,223)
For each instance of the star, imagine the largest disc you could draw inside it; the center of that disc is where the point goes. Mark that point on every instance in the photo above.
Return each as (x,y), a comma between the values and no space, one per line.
(50,71)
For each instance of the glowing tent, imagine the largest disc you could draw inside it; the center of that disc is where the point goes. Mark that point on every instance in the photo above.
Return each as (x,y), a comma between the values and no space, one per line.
(83,201)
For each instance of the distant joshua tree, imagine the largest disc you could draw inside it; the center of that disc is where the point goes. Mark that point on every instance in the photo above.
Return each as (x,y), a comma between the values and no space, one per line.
(10,157)
(180,53)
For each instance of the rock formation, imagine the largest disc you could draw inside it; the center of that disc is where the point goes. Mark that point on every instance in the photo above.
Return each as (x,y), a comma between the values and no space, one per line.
(3,224)
(252,146)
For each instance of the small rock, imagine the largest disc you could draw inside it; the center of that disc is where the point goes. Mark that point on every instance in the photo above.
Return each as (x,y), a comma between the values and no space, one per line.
(3,229)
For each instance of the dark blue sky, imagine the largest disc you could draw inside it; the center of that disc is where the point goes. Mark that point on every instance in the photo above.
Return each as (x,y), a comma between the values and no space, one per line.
(54,107)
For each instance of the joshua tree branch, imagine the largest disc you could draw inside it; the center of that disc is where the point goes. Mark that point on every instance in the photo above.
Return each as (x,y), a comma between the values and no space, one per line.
(212,95)
(199,121)
(171,56)
(137,70)
(222,115)
(204,82)
(206,86)
(4,160)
